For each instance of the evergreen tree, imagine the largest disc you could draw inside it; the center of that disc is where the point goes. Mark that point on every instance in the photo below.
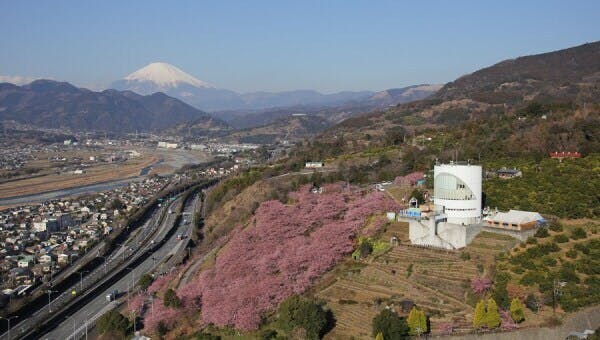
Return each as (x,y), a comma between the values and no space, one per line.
(297,312)
(516,310)
(413,320)
(423,323)
(417,322)
(480,315)
(492,316)
(390,325)
(114,323)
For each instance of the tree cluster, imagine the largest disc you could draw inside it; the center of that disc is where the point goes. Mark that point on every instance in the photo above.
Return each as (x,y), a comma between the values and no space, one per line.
(390,326)
(282,252)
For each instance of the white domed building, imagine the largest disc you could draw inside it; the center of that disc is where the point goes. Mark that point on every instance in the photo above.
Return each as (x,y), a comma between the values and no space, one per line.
(457,192)
(456,216)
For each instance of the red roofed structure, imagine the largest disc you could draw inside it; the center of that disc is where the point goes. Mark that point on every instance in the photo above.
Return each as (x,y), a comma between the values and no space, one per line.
(563,154)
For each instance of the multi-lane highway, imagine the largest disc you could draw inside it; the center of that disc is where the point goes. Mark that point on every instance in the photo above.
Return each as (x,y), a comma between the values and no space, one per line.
(88,312)
(126,252)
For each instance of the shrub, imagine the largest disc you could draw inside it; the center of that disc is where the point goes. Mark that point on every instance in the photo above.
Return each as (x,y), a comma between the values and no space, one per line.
(113,322)
(480,268)
(347,302)
(532,303)
(390,325)
(268,334)
(465,256)
(206,336)
(518,270)
(582,248)
(297,312)
(561,238)
(409,270)
(366,248)
(548,261)
(578,233)
(145,281)
(171,299)
(507,323)
(516,310)
(556,227)
(532,277)
(568,274)
(542,233)
(572,253)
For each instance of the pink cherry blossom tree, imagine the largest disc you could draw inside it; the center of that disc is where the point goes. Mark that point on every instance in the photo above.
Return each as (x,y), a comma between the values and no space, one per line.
(283,251)
(480,285)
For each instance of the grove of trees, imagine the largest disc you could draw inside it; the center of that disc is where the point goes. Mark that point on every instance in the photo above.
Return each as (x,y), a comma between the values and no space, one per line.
(298,312)
(390,325)
(280,253)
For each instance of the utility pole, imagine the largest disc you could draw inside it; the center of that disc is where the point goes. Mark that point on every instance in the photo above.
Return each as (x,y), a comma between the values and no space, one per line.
(556,291)
(81,280)
(72,318)
(8,320)
(50,301)
(103,257)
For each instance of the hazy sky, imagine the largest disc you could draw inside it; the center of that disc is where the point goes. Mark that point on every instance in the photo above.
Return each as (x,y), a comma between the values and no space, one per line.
(281,45)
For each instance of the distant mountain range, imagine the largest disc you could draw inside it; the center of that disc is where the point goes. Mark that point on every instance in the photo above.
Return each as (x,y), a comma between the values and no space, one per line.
(171,80)
(537,103)
(144,101)
(242,119)
(52,104)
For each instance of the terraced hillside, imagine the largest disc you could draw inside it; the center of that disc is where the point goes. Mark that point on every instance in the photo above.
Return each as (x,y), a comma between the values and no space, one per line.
(437,281)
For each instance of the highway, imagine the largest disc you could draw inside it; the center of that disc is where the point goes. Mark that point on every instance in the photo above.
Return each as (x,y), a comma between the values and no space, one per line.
(136,245)
(74,326)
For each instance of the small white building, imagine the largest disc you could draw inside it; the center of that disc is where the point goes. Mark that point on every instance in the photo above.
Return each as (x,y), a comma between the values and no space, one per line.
(198,147)
(167,145)
(314,165)
(39,226)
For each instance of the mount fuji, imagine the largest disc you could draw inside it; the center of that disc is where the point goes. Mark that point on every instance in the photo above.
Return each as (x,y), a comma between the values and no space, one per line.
(163,77)
(166,78)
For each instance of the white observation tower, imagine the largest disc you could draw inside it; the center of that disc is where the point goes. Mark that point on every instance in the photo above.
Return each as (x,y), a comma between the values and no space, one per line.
(457,192)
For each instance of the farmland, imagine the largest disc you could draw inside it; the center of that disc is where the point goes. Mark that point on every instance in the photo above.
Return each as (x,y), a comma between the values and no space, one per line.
(435,280)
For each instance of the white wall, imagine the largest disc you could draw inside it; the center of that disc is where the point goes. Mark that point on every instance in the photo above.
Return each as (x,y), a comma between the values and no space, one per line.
(460,211)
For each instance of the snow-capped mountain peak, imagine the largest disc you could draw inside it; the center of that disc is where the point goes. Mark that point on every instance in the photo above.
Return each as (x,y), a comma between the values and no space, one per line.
(165,75)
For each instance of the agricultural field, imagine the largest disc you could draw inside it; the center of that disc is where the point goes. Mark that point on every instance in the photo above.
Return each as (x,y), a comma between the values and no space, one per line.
(562,257)
(51,178)
(437,281)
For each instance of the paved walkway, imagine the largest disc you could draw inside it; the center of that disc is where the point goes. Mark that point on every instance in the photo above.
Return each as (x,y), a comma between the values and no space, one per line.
(588,318)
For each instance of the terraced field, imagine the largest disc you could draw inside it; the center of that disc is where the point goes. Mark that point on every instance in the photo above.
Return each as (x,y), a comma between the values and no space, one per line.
(437,281)
(486,245)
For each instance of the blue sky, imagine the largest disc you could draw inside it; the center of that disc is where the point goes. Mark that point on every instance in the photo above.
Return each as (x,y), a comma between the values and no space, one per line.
(282,45)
